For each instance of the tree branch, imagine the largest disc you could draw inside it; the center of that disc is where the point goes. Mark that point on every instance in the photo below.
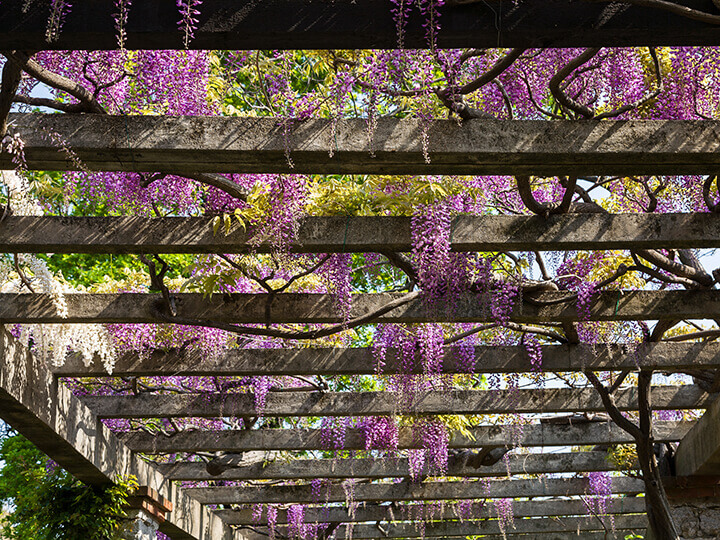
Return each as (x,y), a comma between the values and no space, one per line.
(679,269)
(11,76)
(560,96)
(402,262)
(545,209)
(612,409)
(703,334)
(712,206)
(497,69)
(210,179)
(451,97)
(32,68)
(50,103)
(643,100)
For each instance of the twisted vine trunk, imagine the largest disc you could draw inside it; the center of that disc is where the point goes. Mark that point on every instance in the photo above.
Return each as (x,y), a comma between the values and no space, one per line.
(656,503)
(661,524)
(11,76)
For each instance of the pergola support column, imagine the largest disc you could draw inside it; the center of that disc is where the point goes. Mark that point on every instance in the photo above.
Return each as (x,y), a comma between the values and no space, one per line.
(53,418)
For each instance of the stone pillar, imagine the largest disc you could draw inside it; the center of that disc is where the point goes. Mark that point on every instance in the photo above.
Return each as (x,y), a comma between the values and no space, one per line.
(695,506)
(146,512)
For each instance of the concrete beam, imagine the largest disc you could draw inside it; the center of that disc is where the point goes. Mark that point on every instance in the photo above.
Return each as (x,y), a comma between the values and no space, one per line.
(407,491)
(343,24)
(57,422)
(250,145)
(360,361)
(311,439)
(50,234)
(303,404)
(577,434)
(590,535)
(322,308)
(699,451)
(480,510)
(308,469)
(492,527)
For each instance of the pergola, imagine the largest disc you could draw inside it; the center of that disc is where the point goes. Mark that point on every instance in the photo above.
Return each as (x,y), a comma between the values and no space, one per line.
(34,400)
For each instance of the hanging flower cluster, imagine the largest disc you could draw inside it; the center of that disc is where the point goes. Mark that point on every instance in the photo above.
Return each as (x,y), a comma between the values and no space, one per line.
(188,22)
(599,493)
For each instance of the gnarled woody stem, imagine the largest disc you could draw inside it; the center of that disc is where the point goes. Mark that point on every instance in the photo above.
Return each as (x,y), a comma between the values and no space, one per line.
(11,76)
(32,68)
(545,209)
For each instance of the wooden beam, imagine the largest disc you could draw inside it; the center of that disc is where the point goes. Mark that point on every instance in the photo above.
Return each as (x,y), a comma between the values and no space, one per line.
(249,145)
(493,527)
(480,510)
(591,535)
(343,24)
(360,361)
(52,234)
(308,469)
(699,451)
(322,308)
(302,404)
(53,419)
(311,439)
(407,491)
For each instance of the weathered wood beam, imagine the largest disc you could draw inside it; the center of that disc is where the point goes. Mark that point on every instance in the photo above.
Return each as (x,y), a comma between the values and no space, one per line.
(407,491)
(391,468)
(298,24)
(53,419)
(249,145)
(311,439)
(51,234)
(360,361)
(699,451)
(589,535)
(302,404)
(322,308)
(493,527)
(375,512)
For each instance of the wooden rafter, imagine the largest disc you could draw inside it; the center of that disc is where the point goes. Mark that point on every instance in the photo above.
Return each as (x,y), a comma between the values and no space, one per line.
(493,527)
(343,24)
(25,234)
(590,535)
(361,361)
(606,305)
(311,439)
(302,404)
(307,469)
(375,512)
(195,144)
(407,491)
